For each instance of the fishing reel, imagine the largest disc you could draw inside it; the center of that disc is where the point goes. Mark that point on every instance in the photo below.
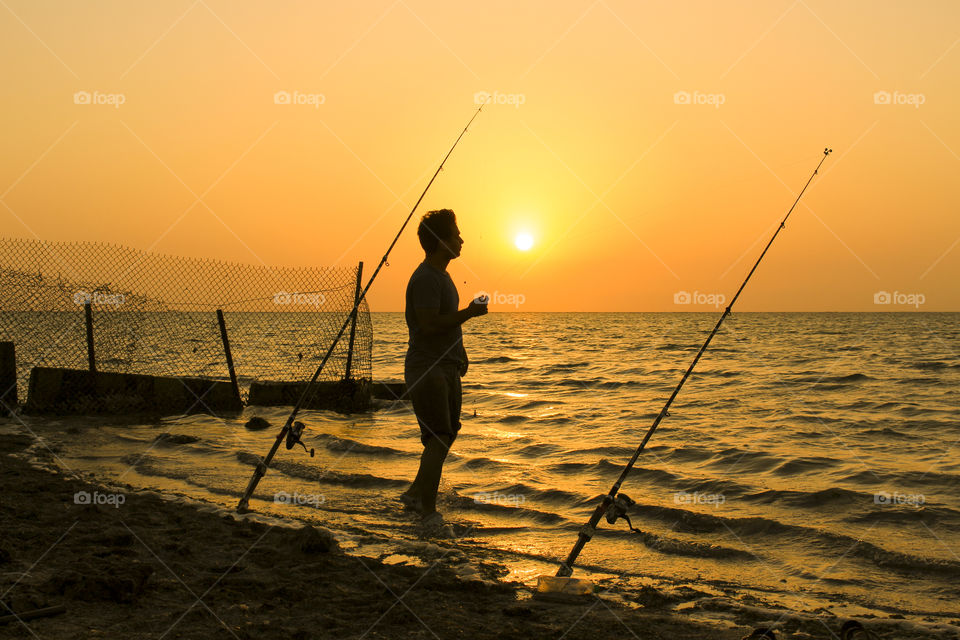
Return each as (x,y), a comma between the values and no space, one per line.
(618,509)
(293,437)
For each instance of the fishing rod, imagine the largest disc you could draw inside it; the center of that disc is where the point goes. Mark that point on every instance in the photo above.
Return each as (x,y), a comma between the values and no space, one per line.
(614,506)
(292,430)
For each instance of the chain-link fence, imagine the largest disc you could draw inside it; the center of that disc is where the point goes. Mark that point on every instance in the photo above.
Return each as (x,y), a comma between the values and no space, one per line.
(157,314)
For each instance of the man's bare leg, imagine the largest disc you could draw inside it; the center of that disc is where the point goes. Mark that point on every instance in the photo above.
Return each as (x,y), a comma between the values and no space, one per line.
(427,483)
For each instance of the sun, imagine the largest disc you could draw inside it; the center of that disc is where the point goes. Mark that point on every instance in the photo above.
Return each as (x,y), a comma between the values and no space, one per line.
(523,241)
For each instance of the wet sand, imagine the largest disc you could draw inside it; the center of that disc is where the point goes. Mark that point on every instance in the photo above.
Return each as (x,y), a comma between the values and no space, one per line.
(136,564)
(155,567)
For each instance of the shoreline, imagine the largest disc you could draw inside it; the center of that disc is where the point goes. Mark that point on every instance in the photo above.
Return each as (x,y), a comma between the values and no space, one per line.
(133,564)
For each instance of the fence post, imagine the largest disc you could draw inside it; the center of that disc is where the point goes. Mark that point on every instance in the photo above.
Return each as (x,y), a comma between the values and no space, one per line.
(88,316)
(226,350)
(8,379)
(353,320)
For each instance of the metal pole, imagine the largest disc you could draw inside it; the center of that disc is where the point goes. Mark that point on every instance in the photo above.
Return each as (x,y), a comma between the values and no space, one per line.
(226,350)
(353,319)
(8,378)
(587,531)
(88,316)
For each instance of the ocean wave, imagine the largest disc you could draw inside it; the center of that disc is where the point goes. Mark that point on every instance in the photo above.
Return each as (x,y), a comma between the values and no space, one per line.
(687,548)
(884,431)
(495,359)
(822,380)
(318,474)
(152,466)
(656,476)
(804,465)
(934,365)
(532,404)
(528,493)
(335,443)
(688,454)
(810,499)
(538,450)
(745,460)
(759,526)
(927,515)
(903,479)
(474,464)
(501,503)
(564,367)
(904,561)
(610,450)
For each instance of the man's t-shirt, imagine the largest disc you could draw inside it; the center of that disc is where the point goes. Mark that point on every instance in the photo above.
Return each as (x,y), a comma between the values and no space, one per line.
(430,287)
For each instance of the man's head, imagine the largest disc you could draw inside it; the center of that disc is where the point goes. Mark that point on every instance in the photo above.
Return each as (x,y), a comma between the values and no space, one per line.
(438,233)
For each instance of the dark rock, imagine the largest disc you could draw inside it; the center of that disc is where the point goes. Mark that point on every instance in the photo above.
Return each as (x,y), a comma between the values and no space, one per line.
(311,540)
(653,598)
(176,438)
(256,423)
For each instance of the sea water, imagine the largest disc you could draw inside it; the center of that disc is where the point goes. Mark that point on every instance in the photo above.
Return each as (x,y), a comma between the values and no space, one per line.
(810,461)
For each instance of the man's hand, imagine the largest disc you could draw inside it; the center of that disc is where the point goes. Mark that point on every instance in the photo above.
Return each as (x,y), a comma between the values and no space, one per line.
(463,367)
(478,306)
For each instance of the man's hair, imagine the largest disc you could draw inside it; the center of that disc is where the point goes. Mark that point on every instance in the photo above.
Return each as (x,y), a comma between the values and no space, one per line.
(435,225)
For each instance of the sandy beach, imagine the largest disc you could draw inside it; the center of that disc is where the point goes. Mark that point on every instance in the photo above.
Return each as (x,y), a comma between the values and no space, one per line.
(139,565)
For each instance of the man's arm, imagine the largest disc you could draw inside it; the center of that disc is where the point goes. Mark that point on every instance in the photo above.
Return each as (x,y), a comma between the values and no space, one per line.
(431,321)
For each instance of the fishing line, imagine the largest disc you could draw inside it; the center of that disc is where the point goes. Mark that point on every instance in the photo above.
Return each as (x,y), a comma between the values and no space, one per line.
(292,430)
(614,506)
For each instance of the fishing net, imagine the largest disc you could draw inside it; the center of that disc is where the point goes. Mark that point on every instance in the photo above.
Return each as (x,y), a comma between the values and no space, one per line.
(156,314)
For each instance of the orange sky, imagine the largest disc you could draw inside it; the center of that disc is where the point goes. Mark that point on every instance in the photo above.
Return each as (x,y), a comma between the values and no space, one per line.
(631,197)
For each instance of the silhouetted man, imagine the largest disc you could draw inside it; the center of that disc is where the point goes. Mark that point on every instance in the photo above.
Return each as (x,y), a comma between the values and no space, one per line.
(436,359)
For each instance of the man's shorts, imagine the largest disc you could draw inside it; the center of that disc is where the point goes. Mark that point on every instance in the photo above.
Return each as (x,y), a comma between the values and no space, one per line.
(436,396)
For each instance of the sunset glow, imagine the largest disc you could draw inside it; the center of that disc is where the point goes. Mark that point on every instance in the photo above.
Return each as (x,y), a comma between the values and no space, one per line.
(661,139)
(523,241)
